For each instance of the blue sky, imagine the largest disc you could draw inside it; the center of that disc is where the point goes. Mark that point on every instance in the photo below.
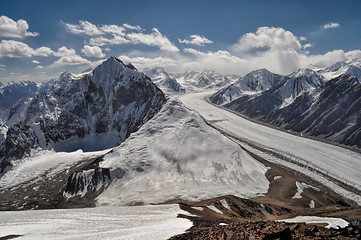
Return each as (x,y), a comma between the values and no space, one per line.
(41,39)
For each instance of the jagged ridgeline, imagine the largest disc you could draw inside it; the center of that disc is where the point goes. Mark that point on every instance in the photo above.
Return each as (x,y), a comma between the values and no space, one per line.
(322,103)
(114,100)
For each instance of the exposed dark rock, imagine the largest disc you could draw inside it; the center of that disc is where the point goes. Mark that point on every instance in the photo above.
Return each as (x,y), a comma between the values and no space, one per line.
(333,116)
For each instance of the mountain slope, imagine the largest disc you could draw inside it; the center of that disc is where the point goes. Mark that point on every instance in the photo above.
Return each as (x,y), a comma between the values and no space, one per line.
(309,103)
(336,113)
(176,155)
(114,99)
(162,79)
(247,87)
(302,83)
(351,67)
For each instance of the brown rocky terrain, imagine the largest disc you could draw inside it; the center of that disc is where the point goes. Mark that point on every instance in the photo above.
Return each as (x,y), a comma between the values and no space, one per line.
(230,217)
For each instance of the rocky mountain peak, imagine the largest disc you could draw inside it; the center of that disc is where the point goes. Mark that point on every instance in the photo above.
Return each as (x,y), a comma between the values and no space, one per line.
(114,99)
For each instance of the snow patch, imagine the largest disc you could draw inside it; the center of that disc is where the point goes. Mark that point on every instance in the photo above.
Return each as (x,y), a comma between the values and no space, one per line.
(332,222)
(277,177)
(198,208)
(45,162)
(312,204)
(138,222)
(213,208)
(225,204)
(301,187)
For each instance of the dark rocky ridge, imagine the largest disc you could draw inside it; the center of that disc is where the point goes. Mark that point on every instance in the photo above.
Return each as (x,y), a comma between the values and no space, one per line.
(333,116)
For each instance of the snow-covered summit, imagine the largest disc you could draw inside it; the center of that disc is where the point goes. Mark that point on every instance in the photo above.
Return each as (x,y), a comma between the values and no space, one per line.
(352,67)
(163,80)
(113,99)
(250,85)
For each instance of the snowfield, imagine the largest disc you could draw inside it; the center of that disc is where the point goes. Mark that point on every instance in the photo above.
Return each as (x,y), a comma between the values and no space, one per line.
(44,163)
(304,155)
(332,222)
(138,222)
(176,155)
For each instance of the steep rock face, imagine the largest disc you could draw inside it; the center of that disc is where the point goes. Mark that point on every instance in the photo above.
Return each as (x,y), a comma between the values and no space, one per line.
(247,87)
(317,102)
(308,104)
(336,113)
(163,80)
(113,99)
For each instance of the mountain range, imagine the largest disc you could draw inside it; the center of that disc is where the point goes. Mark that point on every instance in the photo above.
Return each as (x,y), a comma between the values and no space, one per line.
(321,103)
(156,145)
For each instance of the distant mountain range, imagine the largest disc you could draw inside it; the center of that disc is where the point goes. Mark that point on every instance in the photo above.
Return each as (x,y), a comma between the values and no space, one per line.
(322,103)
(163,80)
(13,92)
(207,79)
(114,99)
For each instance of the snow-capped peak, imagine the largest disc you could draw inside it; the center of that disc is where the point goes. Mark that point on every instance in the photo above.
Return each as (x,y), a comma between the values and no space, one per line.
(307,72)
(352,67)
(113,99)
(250,85)
(163,80)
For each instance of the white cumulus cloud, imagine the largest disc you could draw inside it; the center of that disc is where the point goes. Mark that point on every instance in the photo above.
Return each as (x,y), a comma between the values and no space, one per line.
(117,35)
(331,25)
(16,49)
(276,49)
(69,57)
(11,29)
(267,38)
(196,40)
(92,51)
(35,61)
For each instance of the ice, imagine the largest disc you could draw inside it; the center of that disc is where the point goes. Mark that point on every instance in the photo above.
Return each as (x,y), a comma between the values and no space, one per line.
(138,222)
(332,222)
(306,155)
(89,144)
